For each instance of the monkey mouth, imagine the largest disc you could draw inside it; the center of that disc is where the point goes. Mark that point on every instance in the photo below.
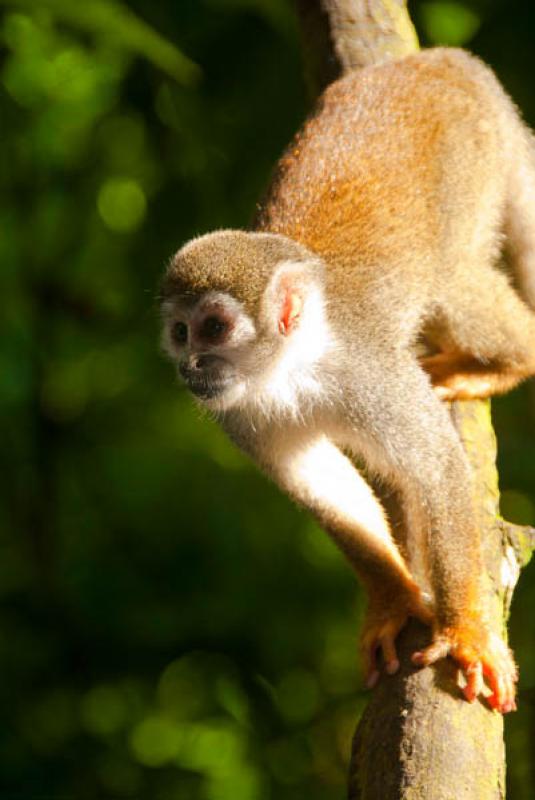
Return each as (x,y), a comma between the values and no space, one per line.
(208,387)
(207,376)
(208,390)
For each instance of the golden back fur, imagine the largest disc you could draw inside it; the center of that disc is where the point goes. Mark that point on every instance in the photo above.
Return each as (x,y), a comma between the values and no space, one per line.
(402,169)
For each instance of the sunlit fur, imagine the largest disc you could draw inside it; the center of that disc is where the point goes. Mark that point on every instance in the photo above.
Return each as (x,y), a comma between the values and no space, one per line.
(320,476)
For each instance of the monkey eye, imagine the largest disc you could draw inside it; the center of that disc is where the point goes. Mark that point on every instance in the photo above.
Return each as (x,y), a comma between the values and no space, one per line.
(213,328)
(179,333)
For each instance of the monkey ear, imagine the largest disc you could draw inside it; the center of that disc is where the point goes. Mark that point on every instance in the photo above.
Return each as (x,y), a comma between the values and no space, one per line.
(290,310)
(286,296)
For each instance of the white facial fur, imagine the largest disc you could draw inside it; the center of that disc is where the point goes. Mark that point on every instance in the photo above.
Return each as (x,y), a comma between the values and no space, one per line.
(243,332)
(291,380)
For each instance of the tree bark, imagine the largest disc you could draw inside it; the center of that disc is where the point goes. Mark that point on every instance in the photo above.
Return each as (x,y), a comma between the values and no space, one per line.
(339,35)
(418,739)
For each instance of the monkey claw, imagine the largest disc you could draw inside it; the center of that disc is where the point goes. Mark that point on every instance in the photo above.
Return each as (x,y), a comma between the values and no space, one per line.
(485,658)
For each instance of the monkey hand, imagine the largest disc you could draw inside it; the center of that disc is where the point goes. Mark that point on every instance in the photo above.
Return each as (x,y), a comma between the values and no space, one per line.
(481,655)
(385,617)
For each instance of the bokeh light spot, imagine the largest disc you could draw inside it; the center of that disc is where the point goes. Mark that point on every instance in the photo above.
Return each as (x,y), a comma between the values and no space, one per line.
(298,696)
(122,204)
(213,747)
(183,690)
(448,23)
(246,784)
(155,741)
(103,710)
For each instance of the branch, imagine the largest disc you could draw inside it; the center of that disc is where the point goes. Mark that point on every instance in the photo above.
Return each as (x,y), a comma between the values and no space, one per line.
(339,35)
(418,739)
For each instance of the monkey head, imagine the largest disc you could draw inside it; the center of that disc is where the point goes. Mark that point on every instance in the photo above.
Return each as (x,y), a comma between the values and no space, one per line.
(243,316)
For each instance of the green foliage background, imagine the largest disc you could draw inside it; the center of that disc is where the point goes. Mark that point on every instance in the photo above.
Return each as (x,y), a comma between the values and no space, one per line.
(171,627)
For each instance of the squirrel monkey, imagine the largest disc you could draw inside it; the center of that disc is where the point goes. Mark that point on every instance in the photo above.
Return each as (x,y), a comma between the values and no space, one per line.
(384,222)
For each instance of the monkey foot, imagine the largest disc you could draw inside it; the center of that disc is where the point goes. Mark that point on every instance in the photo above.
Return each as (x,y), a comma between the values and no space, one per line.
(458,377)
(481,656)
(381,628)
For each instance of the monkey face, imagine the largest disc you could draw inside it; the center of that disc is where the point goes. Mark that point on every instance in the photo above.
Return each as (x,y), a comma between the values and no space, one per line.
(211,338)
(244,319)
(228,360)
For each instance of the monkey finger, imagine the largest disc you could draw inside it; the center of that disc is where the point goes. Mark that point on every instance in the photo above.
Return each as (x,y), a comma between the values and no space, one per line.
(509,703)
(501,663)
(390,655)
(474,681)
(498,699)
(501,678)
(439,649)
(503,694)
(371,672)
(372,678)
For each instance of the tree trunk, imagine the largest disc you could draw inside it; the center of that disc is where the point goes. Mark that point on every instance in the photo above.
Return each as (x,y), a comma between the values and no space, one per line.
(339,35)
(418,739)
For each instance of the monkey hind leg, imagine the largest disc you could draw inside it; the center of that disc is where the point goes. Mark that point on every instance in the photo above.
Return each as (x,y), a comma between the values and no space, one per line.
(489,340)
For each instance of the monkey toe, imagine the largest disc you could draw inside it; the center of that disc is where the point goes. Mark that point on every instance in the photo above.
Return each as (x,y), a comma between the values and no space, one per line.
(501,675)
(502,697)
(437,650)
(486,658)
(474,681)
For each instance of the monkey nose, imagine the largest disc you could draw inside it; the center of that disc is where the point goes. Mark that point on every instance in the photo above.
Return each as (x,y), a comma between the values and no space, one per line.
(206,361)
(196,364)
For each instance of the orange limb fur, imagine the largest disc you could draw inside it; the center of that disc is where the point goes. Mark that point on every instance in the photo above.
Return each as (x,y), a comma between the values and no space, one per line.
(456,376)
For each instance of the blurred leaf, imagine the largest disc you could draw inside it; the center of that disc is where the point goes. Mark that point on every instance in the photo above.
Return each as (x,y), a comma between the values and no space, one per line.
(103,710)
(122,204)
(113,20)
(298,696)
(448,23)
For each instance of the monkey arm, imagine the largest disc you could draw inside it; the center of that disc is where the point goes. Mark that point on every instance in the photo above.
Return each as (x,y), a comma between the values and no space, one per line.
(318,475)
(422,454)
